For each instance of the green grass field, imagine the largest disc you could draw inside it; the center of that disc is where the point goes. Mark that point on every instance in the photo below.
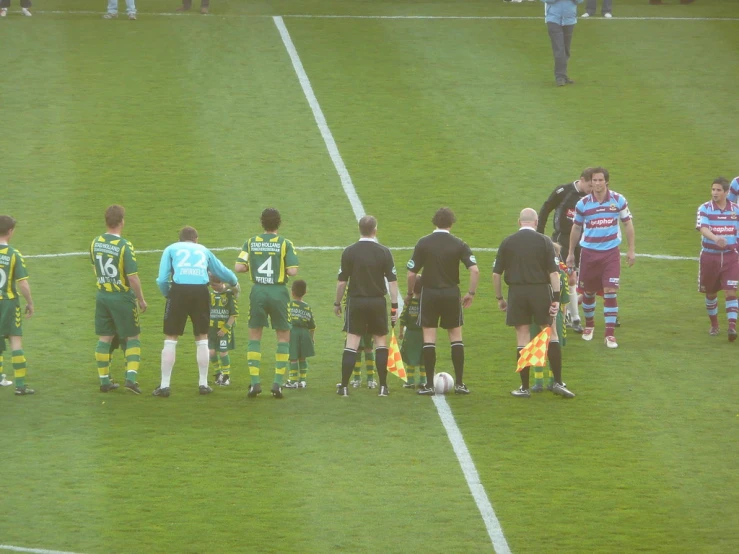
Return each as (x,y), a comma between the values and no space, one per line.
(202,121)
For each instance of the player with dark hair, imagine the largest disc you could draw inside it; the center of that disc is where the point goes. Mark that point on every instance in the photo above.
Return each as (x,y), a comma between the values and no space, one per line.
(411,333)
(13,278)
(301,336)
(597,218)
(114,263)
(365,266)
(439,255)
(271,260)
(562,202)
(224,309)
(718,268)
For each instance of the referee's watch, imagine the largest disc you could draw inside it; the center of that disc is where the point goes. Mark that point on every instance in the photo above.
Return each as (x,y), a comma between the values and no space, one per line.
(471,293)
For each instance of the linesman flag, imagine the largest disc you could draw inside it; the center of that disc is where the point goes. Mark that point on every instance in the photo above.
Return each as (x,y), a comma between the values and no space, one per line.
(394,359)
(535,352)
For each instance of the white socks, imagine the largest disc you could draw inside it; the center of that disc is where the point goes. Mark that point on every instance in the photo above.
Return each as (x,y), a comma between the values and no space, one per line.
(573,308)
(203,357)
(168,357)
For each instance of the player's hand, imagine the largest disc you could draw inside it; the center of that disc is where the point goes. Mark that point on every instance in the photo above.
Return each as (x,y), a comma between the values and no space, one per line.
(467,300)
(222,332)
(337,310)
(554,309)
(570,260)
(142,305)
(394,315)
(236,290)
(630,257)
(29,310)
(721,241)
(401,335)
(502,304)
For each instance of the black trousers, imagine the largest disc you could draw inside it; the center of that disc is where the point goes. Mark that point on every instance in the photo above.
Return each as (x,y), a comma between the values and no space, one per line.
(6,3)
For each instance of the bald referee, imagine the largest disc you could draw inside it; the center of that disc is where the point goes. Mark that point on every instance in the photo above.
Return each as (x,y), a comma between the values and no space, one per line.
(439,255)
(365,265)
(527,260)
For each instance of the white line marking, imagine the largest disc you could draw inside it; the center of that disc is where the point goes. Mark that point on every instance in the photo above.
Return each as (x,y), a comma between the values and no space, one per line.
(329,248)
(455,435)
(328,138)
(500,545)
(339,16)
(31,550)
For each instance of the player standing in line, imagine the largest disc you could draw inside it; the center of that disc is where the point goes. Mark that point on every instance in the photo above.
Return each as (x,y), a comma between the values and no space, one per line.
(366,347)
(562,202)
(301,336)
(183,280)
(439,255)
(718,268)
(734,190)
(272,261)
(411,334)
(597,222)
(13,278)
(224,310)
(119,289)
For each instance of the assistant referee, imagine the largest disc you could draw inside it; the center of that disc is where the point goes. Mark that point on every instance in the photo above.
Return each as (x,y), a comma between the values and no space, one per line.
(527,259)
(365,266)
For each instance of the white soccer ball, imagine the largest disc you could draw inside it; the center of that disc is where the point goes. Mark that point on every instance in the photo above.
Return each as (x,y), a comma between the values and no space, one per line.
(443,383)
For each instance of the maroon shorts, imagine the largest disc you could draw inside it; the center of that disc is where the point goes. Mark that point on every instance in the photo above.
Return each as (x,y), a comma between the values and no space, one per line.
(718,272)
(599,269)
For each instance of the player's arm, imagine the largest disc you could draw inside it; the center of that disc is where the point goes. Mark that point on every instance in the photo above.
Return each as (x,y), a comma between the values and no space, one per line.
(164,279)
(216,267)
(135,283)
(474,279)
(290,260)
(292,271)
(242,262)
(340,288)
(703,224)
(410,283)
(550,204)
(498,269)
(734,190)
(575,234)
(631,241)
(25,288)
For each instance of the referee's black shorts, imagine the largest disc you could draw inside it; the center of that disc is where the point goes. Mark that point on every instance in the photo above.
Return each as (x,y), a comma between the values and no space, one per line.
(564,242)
(527,303)
(441,308)
(183,302)
(366,315)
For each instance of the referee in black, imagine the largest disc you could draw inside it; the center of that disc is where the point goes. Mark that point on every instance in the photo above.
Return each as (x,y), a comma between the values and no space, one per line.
(527,259)
(365,265)
(439,255)
(562,202)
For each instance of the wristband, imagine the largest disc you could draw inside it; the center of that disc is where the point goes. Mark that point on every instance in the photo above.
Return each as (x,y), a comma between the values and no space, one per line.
(555,296)
(499,298)
(471,293)
(337,304)
(394,305)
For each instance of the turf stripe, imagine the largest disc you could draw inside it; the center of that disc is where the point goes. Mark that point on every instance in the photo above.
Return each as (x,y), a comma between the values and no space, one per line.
(32,550)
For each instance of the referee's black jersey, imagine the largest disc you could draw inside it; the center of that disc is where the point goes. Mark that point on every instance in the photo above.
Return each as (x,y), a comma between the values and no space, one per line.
(562,201)
(438,255)
(526,258)
(366,264)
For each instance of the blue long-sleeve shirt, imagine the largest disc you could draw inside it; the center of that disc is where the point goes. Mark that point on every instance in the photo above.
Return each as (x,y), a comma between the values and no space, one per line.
(188,263)
(561,12)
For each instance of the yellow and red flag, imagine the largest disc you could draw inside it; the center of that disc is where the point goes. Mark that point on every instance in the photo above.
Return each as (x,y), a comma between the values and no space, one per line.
(394,359)
(535,352)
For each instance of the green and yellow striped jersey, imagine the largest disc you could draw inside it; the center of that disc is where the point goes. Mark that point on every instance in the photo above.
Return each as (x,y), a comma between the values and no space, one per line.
(223,305)
(301,315)
(12,270)
(114,261)
(269,256)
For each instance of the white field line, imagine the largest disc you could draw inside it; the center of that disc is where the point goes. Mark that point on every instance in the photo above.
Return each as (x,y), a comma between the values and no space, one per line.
(330,248)
(338,16)
(455,435)
(31,550)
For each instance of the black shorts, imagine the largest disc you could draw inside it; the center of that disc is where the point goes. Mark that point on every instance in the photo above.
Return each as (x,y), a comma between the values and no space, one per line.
(564,241)
(527,303)
(366,316)
(185,301)
(441,304)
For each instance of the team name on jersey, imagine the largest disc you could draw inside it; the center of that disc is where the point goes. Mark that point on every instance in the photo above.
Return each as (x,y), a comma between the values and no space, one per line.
(109,248)
(570,214)
(300,313)
(600,223)
(4,259)
(265,247)
(219,313)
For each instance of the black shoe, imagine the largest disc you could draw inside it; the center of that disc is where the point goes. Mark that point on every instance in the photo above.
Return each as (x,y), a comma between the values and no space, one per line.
(204,389)
(109,387)
(254,390)
(383,391)
(133,387)
(521,392)
(561,82)
(163,392)
(277,390)
(425,390)
(461,389)
(24,391)
(577,327)
(342,391)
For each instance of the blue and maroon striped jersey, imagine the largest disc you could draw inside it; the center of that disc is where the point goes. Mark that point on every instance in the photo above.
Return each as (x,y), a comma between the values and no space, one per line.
(734,190)
(599,220)
(722,223)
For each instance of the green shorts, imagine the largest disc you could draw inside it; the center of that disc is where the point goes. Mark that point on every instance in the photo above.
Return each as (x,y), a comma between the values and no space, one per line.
(221,344)
(269,303)
(11,318)
(534,329)
(366,342)
(116,313)
(412,347)
(301,344)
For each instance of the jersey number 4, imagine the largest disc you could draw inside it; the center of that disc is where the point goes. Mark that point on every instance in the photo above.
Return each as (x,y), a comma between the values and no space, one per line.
(266,268)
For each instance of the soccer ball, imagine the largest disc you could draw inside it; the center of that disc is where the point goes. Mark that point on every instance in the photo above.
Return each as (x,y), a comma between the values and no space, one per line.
(443,383)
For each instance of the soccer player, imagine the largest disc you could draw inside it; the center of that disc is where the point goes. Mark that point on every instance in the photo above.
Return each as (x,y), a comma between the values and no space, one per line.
(734,190)
(439,255)
(224,310)
(272,260)
(3,381)
(365,267)
(718,269)
(597,221)
(367,348)
(119,289)
(183,280)
(562,202)
(25,4)
(14,278)
(527,262)
(411,334)
(301,336)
